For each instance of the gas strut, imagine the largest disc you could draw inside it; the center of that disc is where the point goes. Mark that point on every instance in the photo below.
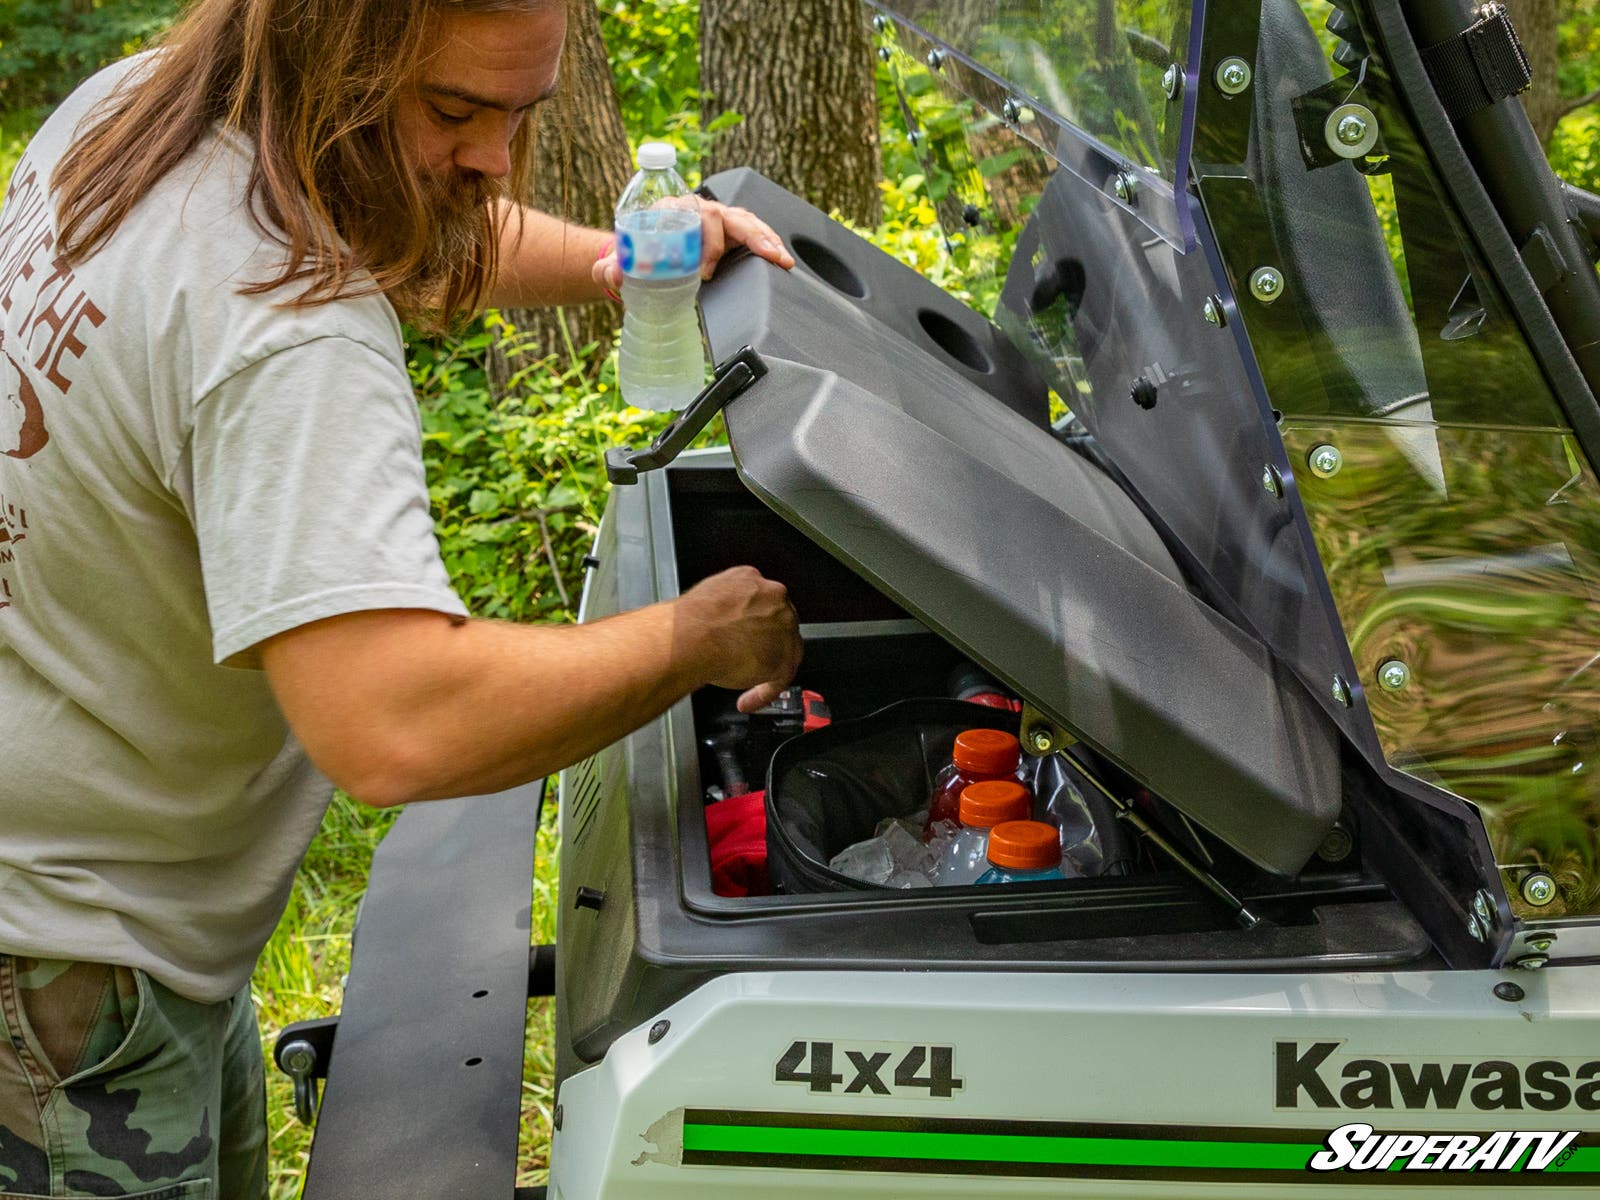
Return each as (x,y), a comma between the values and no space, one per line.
(1126,812)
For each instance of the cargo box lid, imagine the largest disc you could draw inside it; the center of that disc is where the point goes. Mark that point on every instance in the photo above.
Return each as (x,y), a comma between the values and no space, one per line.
(900,431)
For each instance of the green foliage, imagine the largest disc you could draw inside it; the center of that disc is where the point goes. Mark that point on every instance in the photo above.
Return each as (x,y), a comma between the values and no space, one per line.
(655,60)
(48,46)
(518,487)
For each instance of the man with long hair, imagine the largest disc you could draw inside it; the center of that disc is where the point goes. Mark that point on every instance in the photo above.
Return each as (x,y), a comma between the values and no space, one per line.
(219,584)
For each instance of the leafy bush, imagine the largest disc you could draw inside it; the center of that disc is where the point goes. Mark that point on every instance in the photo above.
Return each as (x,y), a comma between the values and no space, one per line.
(48,46)
(518,486)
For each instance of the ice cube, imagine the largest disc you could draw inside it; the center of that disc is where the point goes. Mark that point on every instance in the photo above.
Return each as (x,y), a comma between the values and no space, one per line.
(868,861)
(905,847)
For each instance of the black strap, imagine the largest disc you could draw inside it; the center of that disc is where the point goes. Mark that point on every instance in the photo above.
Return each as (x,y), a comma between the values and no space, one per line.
(1479,67)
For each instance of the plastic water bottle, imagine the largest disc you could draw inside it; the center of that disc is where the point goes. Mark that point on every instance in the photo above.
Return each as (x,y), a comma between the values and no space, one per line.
(983,806)
(978,755)
(661,362)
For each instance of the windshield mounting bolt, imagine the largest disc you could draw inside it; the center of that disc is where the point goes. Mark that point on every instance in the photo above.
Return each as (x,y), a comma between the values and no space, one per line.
(1040,741)
(1213,311)
(1474,927)
(1538,889)
(1172,81)
(1483,908)
(658,1031)
(1341,691)
(880,23)
(1394,675)
(1233,76)
(1351,131)
(1125,187)
(1011,111)
(1266,285)
(1271,481)
(1325,461)
(1509,992)
(1540,941)
(935,60)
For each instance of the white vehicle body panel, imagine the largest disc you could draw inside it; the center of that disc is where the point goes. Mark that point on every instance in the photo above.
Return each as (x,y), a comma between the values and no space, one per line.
(1129,1052)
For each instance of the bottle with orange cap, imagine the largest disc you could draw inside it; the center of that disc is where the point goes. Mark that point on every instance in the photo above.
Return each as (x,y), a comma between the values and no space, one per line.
(1022,852)
(979,755)
(983,806)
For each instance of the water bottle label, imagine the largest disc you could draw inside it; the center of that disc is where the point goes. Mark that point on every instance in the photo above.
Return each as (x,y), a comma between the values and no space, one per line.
(659,254)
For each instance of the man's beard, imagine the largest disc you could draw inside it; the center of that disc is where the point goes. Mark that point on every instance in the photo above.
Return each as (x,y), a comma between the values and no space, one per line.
(457,206)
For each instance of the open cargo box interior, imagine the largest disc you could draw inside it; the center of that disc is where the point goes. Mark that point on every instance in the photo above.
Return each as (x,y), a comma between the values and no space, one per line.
(641,923)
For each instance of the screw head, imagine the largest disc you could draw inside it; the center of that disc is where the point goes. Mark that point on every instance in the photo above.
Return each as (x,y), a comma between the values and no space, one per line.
(1541,943)
(1337,846)
(1538,889)
(1393,675)
(1172,81)
(1266,284)
(1509,992)
(1341,691)
(1233,76)
(1351,130)
(1040,741)
(1011,111)
(1325,461)
(1213,311)
(1474,927)
(1271,481)
(299,1058)
(560,1116)
(914,137)
(1124,185)
(935,59)
(1531,962)
(659,1031)
(880,23)
(1483,908)
(885,54)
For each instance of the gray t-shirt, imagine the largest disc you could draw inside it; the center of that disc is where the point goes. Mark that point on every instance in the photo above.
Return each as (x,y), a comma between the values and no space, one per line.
(184,472)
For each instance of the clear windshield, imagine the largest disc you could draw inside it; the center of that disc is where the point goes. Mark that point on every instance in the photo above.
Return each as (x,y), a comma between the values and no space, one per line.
(1429,467)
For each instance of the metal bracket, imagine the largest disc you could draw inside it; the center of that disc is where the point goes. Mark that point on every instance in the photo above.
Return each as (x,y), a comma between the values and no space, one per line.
(1338,123)
(624,466)
(302,1052)
(1041,735)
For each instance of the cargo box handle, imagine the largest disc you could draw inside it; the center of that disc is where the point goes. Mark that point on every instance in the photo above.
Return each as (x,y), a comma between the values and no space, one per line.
(731,377)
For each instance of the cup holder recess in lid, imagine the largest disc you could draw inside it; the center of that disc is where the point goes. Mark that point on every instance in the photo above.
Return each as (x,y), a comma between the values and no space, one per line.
(829,267)
(955,341)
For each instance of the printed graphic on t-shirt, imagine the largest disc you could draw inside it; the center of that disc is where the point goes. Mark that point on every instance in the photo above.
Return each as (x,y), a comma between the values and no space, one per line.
(45,317)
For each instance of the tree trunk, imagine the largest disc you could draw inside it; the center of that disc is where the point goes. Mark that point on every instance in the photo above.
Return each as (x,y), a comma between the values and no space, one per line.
(1538,27)
(801,75)
(583,164)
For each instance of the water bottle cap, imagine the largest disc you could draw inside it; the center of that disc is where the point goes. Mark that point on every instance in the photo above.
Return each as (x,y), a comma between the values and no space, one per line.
(993,801)
(1025,845)
(654,156)
(987,752)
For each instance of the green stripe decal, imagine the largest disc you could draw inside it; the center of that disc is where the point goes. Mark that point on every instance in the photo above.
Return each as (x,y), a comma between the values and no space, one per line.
(1582,1158)
(982,1147)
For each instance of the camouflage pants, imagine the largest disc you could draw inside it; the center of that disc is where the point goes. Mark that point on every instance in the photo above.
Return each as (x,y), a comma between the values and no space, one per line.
(113,1085)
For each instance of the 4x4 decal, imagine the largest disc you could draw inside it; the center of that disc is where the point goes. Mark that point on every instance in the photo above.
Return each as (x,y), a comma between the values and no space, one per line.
(862,1068)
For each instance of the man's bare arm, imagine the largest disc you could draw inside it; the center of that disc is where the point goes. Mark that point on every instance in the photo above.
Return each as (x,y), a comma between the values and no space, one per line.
(545,261)
(403,705)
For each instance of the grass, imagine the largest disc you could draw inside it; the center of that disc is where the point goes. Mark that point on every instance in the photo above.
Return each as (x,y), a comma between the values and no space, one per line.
(299,977)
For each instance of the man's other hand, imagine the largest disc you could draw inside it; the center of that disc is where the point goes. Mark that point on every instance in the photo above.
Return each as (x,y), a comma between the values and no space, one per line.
(722,228)
(750,630)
